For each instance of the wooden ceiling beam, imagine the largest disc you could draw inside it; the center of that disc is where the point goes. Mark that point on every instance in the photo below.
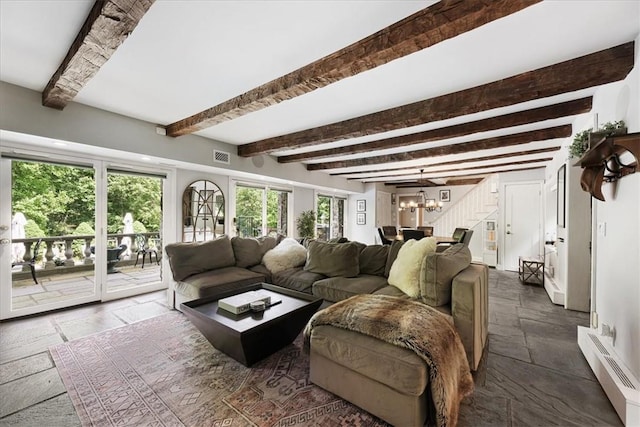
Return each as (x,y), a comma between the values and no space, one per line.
(470,168)
(432,25)
(109,23)
(591,70)
(549,112)
(465,181)
(465,147)
(457,162)
(413,184)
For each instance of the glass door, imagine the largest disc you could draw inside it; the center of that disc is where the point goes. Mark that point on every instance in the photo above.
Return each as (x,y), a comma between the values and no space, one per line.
(48,237)
(134,237)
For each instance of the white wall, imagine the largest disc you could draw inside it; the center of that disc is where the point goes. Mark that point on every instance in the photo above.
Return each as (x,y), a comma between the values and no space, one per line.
(615,293)
(21,111)
(363,233)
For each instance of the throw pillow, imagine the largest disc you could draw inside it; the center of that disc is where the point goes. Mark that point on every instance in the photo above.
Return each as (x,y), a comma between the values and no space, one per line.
(394,248)
(405,271)
(333,259)
(249,251)
(186,259)
(438,271)
(288,254)
(373,259)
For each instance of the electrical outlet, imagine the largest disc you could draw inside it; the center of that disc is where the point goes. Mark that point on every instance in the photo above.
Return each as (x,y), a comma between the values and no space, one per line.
(594,319)
(602,229)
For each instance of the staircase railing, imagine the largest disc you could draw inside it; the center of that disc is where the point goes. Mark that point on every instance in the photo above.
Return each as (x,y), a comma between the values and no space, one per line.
(467,212)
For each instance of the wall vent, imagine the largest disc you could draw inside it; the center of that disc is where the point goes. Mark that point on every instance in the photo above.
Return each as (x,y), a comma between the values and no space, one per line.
(618,382)
(599,345)
(221,157)
(620,373)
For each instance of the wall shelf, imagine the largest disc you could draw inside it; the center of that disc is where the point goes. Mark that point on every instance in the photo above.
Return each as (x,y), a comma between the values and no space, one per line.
(602,163)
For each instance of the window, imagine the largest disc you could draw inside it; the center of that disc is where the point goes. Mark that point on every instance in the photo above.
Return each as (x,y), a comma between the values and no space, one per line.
(261,210)
(330,214)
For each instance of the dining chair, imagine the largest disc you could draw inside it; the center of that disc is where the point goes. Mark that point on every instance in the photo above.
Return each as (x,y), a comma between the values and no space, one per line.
(467,237)
(383,238)
(428,231)
(458,235)
(413,234)
(389,230)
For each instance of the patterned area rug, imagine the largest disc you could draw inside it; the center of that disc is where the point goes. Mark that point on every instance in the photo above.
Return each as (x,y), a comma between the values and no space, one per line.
(163,372)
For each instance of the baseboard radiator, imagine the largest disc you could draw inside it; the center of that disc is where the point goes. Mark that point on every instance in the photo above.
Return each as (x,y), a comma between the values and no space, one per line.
(621,386)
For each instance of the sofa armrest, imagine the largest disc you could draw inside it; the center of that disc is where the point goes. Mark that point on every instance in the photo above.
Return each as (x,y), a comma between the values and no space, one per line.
(470,310)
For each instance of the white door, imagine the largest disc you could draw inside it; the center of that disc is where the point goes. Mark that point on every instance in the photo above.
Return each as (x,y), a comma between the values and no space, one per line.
(523,223)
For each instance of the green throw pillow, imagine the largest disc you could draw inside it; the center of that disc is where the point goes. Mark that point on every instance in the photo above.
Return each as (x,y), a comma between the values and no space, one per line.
(187,259)
(373,259)
(333,259)
(438,271)
(249,251)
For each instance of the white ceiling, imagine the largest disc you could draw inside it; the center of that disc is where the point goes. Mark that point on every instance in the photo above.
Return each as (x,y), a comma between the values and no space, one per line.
(186,56)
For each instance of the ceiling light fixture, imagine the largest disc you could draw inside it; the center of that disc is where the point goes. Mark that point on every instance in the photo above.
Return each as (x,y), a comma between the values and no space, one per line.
(429,205)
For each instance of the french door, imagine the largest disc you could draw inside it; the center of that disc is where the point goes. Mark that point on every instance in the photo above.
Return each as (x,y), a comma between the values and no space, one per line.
(261,210)
(57,232)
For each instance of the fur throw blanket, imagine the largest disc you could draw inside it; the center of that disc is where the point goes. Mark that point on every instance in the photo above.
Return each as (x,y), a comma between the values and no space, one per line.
(417,327)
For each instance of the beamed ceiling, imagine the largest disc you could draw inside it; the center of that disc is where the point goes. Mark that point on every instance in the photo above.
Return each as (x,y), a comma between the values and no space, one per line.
(369,91)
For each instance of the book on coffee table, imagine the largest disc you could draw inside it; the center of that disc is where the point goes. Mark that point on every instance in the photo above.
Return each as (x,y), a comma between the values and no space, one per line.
(241,303)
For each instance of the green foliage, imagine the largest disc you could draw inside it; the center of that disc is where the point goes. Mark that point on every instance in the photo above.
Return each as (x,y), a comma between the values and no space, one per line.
(31,229)
(306,224)
(59,198)
(56,197)
(142,196)
(139,227)
(580,142)
(249,211)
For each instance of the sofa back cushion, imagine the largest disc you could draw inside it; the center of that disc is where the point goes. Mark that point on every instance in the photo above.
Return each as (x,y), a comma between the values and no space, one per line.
(373,259)
(249,251)
(405,271)
(438,271)
(333,259)
(187,259)
(394,248)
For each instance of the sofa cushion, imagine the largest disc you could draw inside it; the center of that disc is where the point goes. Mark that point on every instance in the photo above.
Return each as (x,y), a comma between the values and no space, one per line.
(438,272)
(399,368)
(288,254)
(405,271)
(186,259)
(373,259)
(215,281)
(338,288)
(296,279)
(333,259)
(249,251)
(262,269)
(394,248)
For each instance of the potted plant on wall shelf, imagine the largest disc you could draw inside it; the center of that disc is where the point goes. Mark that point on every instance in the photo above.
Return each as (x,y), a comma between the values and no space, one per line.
(582,141)
(306,224)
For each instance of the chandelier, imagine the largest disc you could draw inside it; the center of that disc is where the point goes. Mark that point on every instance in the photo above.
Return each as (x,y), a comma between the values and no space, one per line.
(429,205)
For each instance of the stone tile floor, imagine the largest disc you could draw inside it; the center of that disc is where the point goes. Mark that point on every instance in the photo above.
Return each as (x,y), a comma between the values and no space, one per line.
(533,373)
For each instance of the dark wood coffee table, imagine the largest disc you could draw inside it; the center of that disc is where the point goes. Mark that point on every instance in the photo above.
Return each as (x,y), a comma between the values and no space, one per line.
(250,337)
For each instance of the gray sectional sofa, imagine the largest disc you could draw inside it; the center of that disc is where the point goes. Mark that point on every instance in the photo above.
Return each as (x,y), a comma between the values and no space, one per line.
(448,280)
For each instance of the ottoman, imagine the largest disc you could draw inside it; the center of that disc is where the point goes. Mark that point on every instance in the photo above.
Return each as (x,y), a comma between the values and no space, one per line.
(389,382)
